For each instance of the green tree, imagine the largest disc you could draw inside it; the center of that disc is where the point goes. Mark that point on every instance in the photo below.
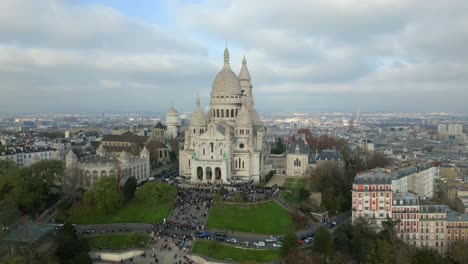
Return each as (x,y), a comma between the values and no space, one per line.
(289,244)
(460,252)
(383,251)
(425,255)
(6,165)
(303,194)
(71,249)
(106,197)
(8,212)
(323,242)
(238,198)
(278,147)
(129,189)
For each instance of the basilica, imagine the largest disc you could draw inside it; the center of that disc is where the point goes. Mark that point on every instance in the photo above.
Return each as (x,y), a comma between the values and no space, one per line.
(227,144)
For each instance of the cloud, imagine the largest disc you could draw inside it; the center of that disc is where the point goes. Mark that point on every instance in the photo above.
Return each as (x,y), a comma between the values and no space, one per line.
(317,55)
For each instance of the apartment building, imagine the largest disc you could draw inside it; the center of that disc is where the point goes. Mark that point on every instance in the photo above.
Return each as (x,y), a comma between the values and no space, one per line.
(372,196)
(25,156)
(433,227)
(405,213)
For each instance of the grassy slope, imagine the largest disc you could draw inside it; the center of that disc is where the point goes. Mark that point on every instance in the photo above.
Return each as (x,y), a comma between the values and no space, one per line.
(265,218)
(133,212)
(223,252)
(115,242)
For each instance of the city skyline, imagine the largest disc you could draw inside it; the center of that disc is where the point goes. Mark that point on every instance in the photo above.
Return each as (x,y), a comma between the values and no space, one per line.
(116,56)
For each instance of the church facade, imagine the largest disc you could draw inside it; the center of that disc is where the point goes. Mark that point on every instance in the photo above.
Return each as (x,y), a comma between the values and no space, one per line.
(227,144)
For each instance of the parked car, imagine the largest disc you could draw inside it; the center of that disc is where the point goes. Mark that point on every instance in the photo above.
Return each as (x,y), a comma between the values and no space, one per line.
(203,235)
(245,243)
(270,240)
(220,236)
(259,244)
(277,245)
(232,240)
(308,240)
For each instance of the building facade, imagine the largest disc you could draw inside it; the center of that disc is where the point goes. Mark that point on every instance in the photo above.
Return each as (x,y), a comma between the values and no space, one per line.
(405,212)
(430,225)
(88,170)
(372,197)
(25,156)
(297,158)
(172,123)
(229,144)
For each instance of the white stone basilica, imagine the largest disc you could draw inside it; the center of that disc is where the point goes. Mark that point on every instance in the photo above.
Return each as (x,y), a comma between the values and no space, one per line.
(229,143)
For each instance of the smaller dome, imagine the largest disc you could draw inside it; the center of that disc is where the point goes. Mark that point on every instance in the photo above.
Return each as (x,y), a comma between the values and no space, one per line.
(198,117)
(172,111)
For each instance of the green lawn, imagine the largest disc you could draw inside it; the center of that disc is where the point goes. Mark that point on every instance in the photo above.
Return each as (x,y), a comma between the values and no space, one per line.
(116,242)
(222,252)
(133,212)
(265,218)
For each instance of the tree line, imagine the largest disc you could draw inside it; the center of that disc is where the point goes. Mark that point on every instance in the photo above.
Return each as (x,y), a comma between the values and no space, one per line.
(27,190)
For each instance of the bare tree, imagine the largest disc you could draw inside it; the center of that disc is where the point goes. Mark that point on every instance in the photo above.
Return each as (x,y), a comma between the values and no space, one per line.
(71,181)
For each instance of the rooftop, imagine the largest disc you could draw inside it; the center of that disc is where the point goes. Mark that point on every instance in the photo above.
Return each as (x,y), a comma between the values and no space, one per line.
(405,198)
(434,208)
(375,176)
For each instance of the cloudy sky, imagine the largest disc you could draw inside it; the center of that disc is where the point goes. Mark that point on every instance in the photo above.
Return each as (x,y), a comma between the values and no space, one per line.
(141,55)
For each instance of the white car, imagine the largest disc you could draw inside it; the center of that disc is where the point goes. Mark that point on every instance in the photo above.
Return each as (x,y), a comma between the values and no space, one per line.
(277,245)
(232,240)
(308,240)
(270,240)
(259,244)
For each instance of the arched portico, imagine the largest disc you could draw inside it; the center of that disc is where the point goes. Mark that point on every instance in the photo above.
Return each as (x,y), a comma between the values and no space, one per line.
(217,173)
(208,173)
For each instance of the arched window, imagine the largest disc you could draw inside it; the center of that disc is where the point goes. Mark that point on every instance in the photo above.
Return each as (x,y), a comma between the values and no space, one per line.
(237,111)
(235,165)
(212,147)
(232,112)
(227,112)
(200,173)
(189,163)
(203,151)
(242,164)
(222,112)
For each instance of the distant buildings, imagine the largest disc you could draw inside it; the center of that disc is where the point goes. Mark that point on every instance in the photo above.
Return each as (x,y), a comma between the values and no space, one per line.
(450,130)
(25,156)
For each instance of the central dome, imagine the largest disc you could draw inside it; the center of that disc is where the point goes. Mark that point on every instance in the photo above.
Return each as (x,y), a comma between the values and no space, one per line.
(226,82)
